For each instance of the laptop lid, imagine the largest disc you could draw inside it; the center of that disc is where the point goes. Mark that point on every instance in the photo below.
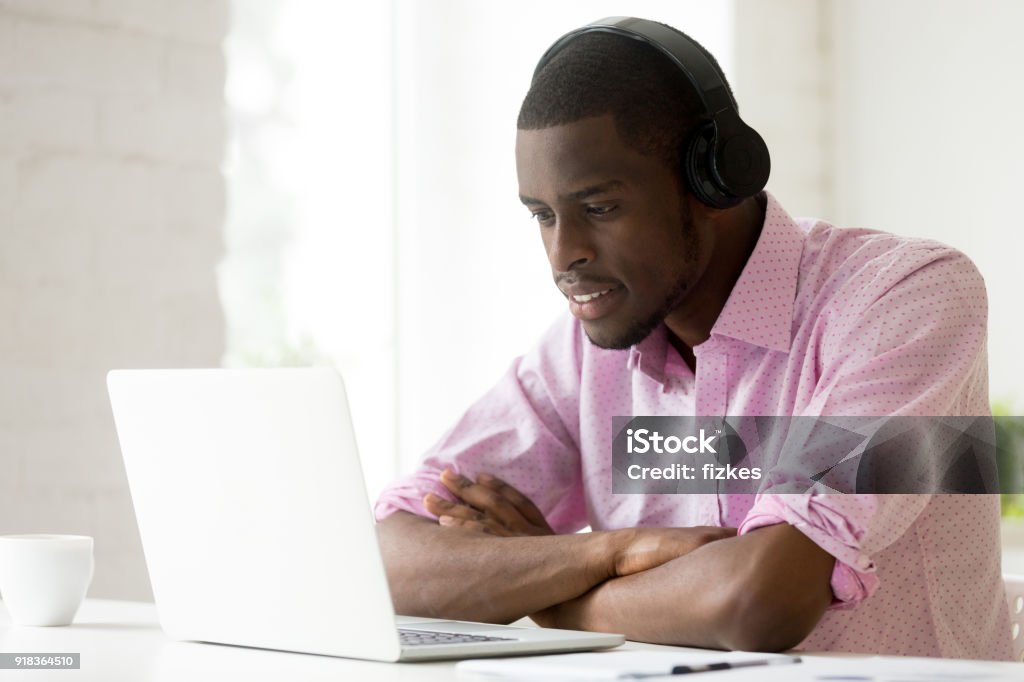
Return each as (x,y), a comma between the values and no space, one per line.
(253,513)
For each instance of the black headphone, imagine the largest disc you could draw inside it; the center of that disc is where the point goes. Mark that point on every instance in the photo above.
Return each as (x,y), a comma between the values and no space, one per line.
(726,161)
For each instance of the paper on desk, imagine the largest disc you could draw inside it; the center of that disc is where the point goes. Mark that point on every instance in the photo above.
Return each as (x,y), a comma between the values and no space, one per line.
(859,668)
(897,669)
(605,665)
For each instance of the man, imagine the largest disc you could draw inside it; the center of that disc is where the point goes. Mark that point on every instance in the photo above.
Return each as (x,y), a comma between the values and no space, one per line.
(682,308)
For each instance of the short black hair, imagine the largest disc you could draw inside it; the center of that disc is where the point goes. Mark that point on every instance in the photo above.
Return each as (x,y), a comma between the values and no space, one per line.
(655,106)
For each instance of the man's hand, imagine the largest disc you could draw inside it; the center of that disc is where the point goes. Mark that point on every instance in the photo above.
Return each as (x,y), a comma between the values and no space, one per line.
(645,548)
(489,505)
(640,549)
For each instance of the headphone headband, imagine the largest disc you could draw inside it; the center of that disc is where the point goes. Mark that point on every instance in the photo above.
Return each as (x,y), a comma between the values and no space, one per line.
(684,53)
(726,160)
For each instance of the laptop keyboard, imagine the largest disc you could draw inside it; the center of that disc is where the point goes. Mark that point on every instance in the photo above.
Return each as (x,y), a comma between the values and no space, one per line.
(425,638)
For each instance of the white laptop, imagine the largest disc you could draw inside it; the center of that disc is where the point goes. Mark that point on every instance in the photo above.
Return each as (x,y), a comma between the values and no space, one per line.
(256,526)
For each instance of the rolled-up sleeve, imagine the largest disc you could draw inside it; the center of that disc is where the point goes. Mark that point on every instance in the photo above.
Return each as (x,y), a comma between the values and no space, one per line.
(909,341)
(852,528)
(525,430)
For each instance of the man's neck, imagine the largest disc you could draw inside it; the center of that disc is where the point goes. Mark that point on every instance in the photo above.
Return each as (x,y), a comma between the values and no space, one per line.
(736,233)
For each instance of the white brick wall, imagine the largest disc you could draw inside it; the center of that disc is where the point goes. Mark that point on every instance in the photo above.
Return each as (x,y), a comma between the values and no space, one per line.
(111,212)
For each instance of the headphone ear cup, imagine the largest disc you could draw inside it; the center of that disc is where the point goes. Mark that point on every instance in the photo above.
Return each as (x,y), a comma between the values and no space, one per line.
(699,168)
(741,164)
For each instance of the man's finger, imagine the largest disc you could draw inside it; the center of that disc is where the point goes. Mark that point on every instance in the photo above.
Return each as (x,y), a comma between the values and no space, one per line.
(454,481)
(523,503)
(438,506)
(481,497)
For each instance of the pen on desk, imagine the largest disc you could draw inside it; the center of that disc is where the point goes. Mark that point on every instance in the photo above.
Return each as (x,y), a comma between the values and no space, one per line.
(708,667)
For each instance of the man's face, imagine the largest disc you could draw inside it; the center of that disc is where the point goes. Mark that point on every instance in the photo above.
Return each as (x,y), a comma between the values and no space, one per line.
(620,238)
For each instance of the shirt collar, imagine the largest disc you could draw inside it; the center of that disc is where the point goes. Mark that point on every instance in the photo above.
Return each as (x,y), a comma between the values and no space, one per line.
(649,354)
(759,310)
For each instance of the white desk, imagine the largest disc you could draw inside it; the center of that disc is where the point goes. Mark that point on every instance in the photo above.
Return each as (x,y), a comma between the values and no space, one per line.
(120,640)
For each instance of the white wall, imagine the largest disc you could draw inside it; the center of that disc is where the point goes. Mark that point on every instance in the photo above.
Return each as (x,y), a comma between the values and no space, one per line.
(111,207)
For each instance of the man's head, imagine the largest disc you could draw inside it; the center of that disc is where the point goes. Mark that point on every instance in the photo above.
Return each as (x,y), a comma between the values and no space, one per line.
(602,134)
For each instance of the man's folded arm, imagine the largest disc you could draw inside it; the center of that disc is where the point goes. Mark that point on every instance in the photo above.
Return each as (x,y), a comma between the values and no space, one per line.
(763,591)
(454,573)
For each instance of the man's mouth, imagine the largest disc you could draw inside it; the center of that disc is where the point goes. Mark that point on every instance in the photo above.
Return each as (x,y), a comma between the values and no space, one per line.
(594,305)
(583,298)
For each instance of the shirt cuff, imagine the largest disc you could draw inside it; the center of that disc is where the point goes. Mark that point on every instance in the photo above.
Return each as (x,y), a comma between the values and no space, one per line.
(409,498)
(854,576)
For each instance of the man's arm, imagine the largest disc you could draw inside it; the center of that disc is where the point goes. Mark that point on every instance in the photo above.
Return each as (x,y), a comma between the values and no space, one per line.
(763,591)
(466,575)
(453,572)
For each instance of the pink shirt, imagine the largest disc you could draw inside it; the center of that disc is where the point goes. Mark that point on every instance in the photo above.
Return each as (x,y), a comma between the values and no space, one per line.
(822,321)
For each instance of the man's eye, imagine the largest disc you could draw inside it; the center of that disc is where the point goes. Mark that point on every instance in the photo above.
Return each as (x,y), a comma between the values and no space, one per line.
(542,216)
(600,210)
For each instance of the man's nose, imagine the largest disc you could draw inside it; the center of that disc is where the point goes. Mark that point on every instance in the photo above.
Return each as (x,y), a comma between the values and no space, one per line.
(569,245)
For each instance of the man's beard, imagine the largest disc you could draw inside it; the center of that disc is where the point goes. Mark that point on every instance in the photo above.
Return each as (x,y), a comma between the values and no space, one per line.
(640,329)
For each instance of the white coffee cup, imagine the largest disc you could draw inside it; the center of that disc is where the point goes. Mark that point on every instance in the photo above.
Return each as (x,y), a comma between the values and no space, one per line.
(43,578)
